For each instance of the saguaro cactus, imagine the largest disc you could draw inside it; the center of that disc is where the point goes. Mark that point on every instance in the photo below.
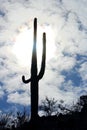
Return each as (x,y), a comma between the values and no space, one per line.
(35,77)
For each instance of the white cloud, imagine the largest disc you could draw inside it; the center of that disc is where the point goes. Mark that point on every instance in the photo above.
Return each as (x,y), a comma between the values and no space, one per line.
(83,71)
(79,7)
(22,99)
(69,25)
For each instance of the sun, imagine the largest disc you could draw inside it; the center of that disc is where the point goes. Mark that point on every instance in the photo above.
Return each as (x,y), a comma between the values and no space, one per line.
(23,44)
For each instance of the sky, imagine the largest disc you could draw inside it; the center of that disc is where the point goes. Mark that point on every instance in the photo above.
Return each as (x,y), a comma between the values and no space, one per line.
(65,24)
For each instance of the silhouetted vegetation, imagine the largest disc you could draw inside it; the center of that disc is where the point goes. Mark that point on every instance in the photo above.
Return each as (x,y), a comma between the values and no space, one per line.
(10,121)
(73,119)
(49,107)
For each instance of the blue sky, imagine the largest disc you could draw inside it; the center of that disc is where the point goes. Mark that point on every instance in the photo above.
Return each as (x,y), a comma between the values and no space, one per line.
(66,70)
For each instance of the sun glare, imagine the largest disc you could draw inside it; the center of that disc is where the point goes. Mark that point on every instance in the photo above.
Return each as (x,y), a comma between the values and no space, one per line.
(23,44)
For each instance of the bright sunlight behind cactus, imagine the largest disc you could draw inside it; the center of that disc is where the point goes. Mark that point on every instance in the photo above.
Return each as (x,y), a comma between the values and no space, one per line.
(34,76)
(25,39)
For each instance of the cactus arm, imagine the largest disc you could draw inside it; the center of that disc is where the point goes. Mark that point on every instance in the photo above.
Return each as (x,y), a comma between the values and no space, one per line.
(42,70)
(25,81)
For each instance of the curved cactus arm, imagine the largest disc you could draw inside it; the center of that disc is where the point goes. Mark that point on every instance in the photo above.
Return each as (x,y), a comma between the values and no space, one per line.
(25,81)
(42,70)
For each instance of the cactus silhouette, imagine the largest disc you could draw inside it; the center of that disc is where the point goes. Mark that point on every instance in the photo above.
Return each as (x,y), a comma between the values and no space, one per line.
(35,77)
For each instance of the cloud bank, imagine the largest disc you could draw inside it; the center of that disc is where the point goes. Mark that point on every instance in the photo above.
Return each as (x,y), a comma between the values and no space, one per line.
(66,74)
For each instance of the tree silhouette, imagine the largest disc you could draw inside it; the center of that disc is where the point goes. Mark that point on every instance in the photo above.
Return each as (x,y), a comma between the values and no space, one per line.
(22,117)
(49,106)
(34,80)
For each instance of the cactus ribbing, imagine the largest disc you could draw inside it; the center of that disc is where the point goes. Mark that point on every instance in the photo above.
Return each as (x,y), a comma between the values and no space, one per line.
(34,76)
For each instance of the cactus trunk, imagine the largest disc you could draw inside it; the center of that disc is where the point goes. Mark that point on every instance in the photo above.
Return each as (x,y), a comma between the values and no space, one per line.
(34,80)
